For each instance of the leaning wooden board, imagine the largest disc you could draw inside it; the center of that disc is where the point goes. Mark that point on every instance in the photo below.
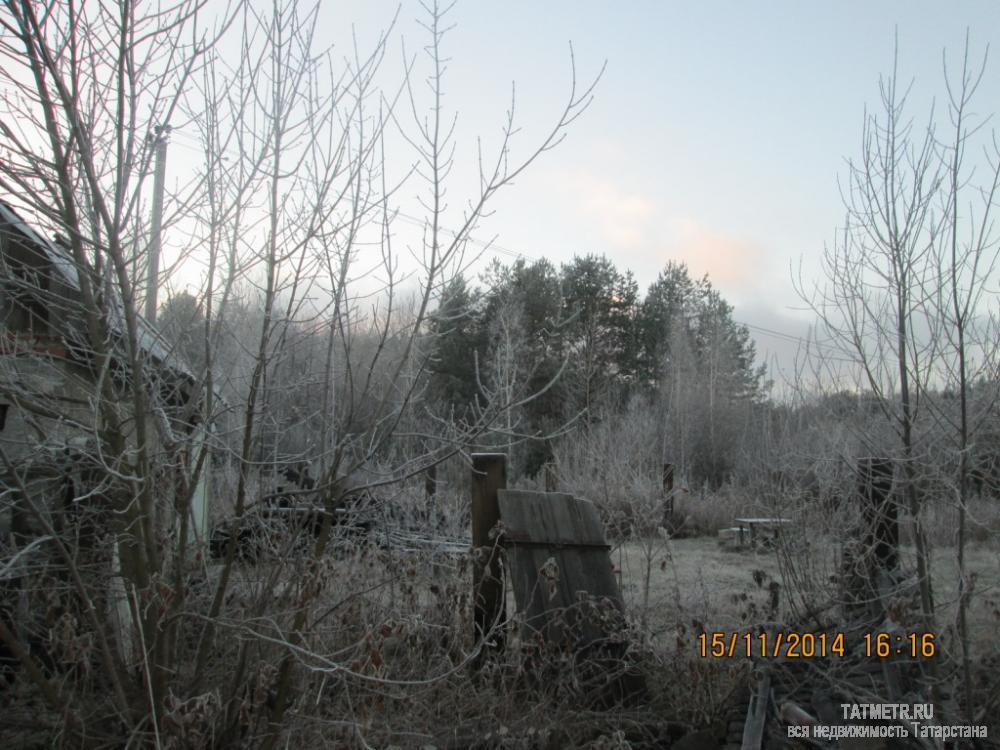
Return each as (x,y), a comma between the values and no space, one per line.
(560,567)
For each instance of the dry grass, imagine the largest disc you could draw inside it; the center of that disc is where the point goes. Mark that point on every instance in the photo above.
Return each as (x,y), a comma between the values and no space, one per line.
(983,566)
(693,579)
(398,625)
(696,580)
(983,521)
(386,660)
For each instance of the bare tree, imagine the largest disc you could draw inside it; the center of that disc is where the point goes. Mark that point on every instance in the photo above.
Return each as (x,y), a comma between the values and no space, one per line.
(905,293)
(966,258)
(289,216)
(84,86)
(873,303)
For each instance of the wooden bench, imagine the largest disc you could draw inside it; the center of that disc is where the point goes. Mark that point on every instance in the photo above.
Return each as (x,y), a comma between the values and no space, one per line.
(749,528)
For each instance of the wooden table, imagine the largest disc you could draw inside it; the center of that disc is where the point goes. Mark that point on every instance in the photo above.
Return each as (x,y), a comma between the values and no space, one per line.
(751,525)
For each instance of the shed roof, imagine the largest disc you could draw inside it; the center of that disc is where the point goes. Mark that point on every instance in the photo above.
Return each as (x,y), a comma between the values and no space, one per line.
(150,340)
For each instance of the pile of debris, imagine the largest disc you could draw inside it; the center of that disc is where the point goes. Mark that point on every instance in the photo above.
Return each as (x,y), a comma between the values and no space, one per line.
(289,519)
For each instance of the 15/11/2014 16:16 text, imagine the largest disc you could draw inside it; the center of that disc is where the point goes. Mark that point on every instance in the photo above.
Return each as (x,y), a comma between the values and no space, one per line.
(808,645)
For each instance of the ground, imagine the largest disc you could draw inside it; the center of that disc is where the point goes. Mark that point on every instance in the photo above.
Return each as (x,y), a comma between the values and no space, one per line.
(697,579)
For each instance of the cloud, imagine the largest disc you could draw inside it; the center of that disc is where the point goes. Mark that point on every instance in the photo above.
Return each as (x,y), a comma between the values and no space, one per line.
(637,229)
(622,217)
(732,263)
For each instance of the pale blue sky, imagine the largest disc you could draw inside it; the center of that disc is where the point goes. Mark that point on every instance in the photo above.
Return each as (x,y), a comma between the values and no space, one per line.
(717,133)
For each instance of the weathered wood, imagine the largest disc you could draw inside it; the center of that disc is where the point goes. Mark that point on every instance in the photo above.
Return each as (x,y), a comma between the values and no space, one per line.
(565,589)
(555,518)
(430,481)
(668,495)
(565,594)
(489,475)
(668,479)
(881,535)
(753,729)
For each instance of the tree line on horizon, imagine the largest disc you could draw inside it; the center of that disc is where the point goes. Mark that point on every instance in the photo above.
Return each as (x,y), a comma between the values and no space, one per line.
(583,341)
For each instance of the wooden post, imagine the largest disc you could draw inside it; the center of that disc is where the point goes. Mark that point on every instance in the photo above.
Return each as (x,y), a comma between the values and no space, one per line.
(430,481)
(880,551)
(668,494)
(881,535)
(668,479)
(489,474)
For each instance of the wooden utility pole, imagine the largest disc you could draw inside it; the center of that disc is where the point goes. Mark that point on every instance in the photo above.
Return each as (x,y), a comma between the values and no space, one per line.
(489,474)
(153,261)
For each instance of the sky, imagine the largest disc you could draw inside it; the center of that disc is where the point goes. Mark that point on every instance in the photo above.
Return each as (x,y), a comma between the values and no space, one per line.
(716,136)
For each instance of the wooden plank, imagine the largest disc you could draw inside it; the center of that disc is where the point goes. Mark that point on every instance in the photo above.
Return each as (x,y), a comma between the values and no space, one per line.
(559,591)
(753,729)
(560,564)
(552,518)
(564,585)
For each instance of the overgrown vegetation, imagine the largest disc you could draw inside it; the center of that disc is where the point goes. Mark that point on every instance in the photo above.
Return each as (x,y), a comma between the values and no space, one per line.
(305,369)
